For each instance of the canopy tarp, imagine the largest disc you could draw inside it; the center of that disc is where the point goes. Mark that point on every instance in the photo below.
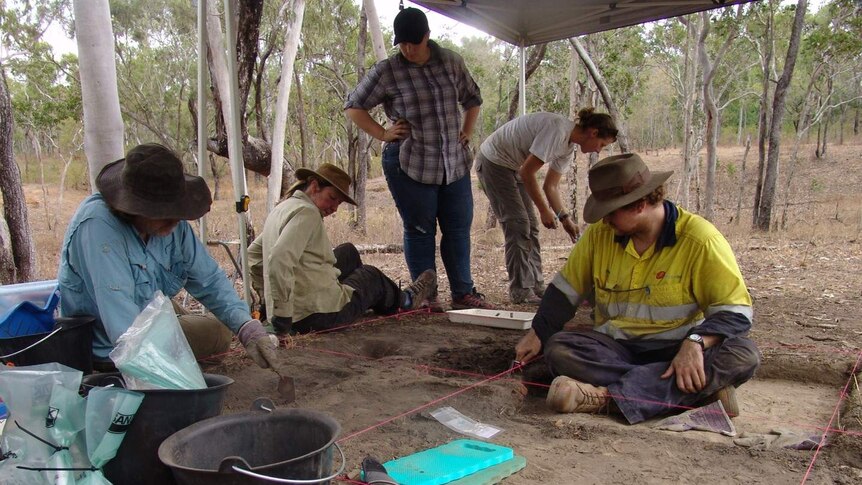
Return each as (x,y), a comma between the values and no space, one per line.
(529,22)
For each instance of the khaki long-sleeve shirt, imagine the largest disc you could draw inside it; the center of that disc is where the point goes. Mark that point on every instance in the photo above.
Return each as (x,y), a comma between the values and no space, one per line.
(292,261)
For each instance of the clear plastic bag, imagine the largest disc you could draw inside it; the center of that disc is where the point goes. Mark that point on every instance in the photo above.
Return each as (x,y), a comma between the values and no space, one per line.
(110,411)
(154,353)
(46,414)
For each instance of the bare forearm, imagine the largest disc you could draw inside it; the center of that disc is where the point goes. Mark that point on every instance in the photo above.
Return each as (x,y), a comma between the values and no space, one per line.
(365,122)
(470,117)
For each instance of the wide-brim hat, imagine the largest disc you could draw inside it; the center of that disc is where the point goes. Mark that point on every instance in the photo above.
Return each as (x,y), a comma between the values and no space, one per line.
(331,173)
(150,182)
(617,181)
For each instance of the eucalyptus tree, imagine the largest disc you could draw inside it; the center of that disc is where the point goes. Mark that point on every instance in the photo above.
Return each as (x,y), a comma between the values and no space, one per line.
(709,68)
(103,124)
(155,58)
(829,63)
(675,51)
(770,177)
(21,28)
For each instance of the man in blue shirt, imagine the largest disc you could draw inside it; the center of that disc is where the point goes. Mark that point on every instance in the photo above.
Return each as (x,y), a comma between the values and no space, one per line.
(132,239)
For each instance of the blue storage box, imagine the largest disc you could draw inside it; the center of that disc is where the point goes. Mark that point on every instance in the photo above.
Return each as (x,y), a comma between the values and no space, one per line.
(28,308)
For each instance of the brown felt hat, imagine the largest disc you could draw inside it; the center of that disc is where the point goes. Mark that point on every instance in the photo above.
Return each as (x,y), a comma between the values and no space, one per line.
(150,182)
(335,176)
(618,181)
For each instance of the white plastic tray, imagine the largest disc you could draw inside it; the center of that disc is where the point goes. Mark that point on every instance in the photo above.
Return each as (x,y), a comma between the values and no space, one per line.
(493,318)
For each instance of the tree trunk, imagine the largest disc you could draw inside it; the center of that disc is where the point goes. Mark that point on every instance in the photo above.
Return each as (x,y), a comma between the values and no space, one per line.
(803,124)
(770,179)
(256,153)
(291,44)
(742,179)
(599,80)
(377,43)
(301,120)
(537,53)
(765,108)
(713,120)
(103,123)
(574,105)
(359,160)
(17,251)
(689,153)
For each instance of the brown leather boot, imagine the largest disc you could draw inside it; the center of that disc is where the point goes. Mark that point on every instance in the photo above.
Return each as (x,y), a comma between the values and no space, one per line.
(567,395)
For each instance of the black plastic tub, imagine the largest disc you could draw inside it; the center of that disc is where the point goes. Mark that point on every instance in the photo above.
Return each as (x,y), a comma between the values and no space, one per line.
(257,447)
(70,343)
(162,413)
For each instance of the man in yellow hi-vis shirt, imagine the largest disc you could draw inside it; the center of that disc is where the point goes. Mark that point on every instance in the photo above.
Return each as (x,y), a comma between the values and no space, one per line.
(671,307)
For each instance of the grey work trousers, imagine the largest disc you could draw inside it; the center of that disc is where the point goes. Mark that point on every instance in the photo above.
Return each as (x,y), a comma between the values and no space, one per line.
(632,369)
(514,209)
(206,334)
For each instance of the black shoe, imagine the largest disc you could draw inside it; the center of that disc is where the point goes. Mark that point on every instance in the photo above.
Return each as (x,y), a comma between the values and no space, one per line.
(374,473)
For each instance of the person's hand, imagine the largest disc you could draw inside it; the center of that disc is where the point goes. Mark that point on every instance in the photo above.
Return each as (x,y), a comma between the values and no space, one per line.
(397,131)
(687,365)
(463,138)
(572,228)
(282,324)
(528,347)
(549,219)
(260,346)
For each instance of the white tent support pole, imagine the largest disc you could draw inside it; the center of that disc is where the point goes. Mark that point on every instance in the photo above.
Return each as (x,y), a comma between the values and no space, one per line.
(522,81)
(202,104)
(235,143)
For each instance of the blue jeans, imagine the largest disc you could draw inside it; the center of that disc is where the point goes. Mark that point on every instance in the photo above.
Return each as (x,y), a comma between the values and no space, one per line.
(421,207)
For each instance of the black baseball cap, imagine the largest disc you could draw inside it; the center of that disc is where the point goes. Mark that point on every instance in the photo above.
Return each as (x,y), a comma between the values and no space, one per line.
(411,25)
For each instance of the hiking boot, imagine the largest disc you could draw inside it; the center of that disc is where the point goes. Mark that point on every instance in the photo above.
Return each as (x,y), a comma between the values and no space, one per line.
(567,395)
(422,288)
(433,304)
(524,296)
(727,396)
(474,299)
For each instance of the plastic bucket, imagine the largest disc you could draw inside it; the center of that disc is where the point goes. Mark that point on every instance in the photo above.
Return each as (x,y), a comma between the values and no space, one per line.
(69,343)
(162,413)
(257,447)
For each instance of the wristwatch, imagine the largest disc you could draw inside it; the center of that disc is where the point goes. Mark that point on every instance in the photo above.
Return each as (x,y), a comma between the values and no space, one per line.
(698,339)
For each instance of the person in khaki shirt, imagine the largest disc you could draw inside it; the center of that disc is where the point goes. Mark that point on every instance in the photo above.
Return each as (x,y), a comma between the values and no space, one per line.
(308,286)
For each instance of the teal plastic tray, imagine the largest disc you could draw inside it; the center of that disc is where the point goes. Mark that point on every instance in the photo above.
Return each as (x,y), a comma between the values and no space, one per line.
(446,463)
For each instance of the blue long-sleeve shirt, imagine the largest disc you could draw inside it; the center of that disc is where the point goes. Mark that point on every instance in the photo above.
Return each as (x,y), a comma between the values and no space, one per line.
(108,271)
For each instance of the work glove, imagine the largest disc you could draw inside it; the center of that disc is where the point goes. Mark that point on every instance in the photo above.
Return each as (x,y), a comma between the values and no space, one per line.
(260,346)
(282,325)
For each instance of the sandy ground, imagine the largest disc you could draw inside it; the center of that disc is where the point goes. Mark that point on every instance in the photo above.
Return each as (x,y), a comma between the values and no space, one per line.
(380,379)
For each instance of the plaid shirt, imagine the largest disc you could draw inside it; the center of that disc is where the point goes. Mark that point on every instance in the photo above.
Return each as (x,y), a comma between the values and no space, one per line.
(427,96)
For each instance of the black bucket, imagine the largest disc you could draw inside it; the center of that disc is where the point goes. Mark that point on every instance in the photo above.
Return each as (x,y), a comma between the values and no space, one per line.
(70,343)
(258,447)
(162,413)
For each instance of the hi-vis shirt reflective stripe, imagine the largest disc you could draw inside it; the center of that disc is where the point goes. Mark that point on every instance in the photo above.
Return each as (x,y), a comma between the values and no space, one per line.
(657,295)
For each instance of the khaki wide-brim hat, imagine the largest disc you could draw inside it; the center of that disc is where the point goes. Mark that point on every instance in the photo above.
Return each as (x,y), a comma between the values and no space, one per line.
(150,182)
(335,176)
(617,181)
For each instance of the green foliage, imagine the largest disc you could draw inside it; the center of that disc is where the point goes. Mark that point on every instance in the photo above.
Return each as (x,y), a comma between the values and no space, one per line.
(156,54)
(816,185)
(731,169)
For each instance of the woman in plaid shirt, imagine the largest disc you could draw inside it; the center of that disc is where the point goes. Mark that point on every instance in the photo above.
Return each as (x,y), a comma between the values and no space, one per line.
(432,104)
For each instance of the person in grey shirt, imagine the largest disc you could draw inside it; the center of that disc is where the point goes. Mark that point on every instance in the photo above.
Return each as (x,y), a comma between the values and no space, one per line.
(507,164)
